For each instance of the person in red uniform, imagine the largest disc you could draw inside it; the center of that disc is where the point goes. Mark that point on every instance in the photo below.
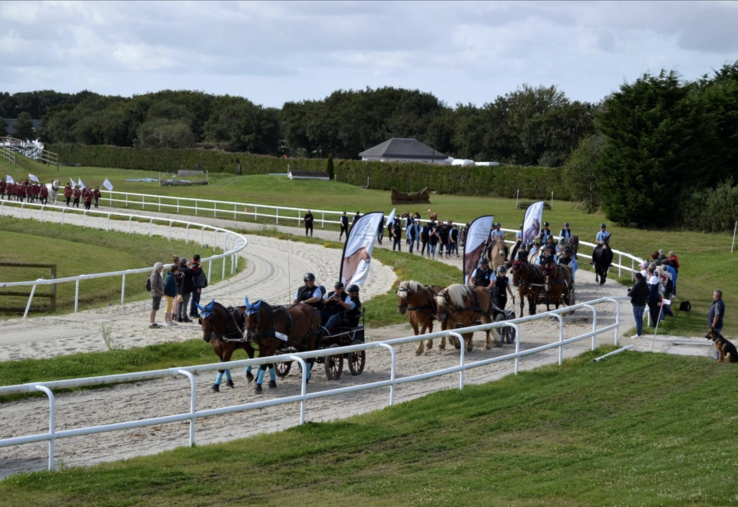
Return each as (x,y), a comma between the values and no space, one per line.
(29,192)
(44,195)
(96,195)
(11,191)
(88,198)
(76,194)
(3,185)
(20,192)
(68,193)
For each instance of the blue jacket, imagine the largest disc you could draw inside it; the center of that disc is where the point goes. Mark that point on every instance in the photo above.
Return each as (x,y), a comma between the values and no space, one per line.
(170,285)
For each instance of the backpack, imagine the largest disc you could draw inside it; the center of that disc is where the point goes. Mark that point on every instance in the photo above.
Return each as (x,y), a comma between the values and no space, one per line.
(202,280)
(148,284)
(685,306)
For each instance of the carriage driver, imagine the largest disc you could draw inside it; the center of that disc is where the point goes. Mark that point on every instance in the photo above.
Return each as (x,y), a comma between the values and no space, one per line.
(335,305)
(565,233)
(310,294)
(567,260)
(483,276)
(545,233)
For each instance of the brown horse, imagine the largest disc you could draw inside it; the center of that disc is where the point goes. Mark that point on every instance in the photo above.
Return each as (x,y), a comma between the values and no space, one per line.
(602,259)
(295,327)
(222,328)
(528,278)
(497,253)
(556,282)
(573,245)
(461,304)
(419,303)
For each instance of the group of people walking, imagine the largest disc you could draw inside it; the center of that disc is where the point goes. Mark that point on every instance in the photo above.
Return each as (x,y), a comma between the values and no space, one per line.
(24,191)
(181,289)
(87,195)
(429,238)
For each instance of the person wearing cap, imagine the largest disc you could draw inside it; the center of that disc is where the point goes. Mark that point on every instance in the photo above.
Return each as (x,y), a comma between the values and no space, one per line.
(310,294)
(545,233)
(519,234)
(567,259)
(565,233)
(499,297)
(354,314)
(638,295)
(186,285)
(549,250)
(483,276)
(334,306)
(602,236)
(497,231)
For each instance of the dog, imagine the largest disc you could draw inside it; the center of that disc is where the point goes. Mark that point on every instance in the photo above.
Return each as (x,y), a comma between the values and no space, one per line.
(726,350)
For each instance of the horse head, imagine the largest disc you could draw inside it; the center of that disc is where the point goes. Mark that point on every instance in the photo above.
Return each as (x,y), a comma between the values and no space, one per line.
(253,318)
(549,267)
(207,319)
(442,304)
(403,298)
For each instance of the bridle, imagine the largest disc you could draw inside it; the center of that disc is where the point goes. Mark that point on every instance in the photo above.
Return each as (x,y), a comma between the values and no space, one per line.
(443,316)
(429,294)
(229,335)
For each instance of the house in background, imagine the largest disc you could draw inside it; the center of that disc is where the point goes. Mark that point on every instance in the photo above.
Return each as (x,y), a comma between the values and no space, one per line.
(11,122)
(404,150)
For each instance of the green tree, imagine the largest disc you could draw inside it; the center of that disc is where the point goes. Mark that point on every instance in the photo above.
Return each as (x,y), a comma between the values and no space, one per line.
(330,168)
(658,149)
(165,133)
(3,127)
(23,127)
(581,172)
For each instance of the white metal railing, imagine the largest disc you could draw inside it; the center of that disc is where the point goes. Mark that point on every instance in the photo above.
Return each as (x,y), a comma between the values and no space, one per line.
(289,214)
(47,387)
(232,244)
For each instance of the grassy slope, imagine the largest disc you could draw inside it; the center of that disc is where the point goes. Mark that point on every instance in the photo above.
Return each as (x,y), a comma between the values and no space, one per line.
(651,430)
(706,259)
(76,251)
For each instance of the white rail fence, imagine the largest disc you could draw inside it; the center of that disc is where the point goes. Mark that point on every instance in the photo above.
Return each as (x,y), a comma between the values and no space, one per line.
(289,216)
(232,244)
(193,414)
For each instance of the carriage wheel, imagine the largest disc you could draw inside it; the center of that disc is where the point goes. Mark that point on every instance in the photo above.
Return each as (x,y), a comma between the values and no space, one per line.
(283,368)
(356,360)
(501,331)
(333,365)
(572,297)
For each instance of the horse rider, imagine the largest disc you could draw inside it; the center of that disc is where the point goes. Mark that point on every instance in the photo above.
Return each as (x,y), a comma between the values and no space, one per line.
(547,252)
(602,236)
(565,233)
(566,259)
(354,313)
(499,298)
(335,305)
(519,234)
(545,233)
(483,276)
(497,232)
(310,294)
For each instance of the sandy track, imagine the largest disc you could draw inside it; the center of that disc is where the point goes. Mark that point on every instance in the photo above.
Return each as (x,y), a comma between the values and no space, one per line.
(169,396)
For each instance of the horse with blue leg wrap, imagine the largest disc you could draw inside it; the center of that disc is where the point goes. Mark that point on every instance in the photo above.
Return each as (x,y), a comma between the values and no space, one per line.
(223,329)
(294,328)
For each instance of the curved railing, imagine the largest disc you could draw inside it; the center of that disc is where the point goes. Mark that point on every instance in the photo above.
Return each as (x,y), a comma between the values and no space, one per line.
(232,244)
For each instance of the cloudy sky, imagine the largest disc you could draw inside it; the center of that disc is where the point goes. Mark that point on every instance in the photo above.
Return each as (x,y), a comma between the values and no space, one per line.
(274,52)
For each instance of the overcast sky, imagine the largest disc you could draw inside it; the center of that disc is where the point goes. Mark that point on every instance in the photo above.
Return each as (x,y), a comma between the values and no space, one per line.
(275,52)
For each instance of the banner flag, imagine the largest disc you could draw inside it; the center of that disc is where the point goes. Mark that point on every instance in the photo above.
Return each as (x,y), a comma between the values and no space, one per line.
(74,183)
(477,239)
(391,217)
(107,184)
(357,252)
(81,185)
(33,178)
(9,179)
(532,223)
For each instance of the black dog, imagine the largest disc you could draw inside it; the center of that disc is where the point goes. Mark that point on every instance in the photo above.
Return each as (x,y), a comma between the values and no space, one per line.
(726,350)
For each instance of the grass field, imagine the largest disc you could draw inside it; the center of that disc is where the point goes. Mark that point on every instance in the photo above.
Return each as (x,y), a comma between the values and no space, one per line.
(75,251)
(635,429)
(706,260)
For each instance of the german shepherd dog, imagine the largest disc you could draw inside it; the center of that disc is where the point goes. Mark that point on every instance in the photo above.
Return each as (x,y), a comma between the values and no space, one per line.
(726,350)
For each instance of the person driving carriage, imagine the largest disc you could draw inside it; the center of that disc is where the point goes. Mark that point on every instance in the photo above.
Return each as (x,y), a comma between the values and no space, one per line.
(545,234)
(483,276)
(547,253)
(499,296)
(310,294)
(567,260)
(335,304)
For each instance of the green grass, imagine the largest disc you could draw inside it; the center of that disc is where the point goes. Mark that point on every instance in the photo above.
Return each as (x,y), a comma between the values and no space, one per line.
(636,429)
(706,260)
(76,251)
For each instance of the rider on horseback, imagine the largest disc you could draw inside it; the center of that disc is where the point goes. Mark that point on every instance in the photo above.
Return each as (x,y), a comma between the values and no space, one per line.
(602,237)
(497,232)
(545,234)
(565,233)
(335,305)
(483,276)
(310,294)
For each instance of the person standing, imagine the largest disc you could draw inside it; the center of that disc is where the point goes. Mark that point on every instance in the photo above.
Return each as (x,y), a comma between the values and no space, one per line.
(76,194)
(309,223)
(432,240)
(170,294)
(96,195)
(356,218)
(185,287)
(565,233)
(397,235)
(454,240)
(639,295)
(654,295)
(44,194)
(411,232)
(380,230)
(68,193)
(200,282)
(424,236)
(156,285)
(87,194)
(345,227)
(3,184)
(717,311)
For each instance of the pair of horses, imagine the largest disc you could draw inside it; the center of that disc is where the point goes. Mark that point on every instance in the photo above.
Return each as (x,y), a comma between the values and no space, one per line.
(454,306)
(261,330)
(554,281)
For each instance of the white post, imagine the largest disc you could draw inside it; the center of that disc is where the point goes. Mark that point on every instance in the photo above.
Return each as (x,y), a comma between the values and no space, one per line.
(210,265)
(123,290)
(52,414)
(552,199)
(322,222)
(215,209)
(517,196)
(734,229)
(28,306)
(195,207)
(234,212)
(76,296)
(632,268)
(177,205)
(277,216)
(143,202)
(620,263)
(159,203)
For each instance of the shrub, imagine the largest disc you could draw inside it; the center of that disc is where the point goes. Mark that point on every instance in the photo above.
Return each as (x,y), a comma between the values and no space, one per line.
(713,210)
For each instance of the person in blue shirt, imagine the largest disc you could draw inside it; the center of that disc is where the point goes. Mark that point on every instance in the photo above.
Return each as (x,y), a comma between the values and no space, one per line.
(566,259)
(545,233)
(497,231)
(717,311)
(602,236)
(335,305)
(565,233)
(519,234)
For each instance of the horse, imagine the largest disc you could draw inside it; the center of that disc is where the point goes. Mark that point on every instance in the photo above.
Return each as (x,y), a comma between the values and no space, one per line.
(463,305)
(602,259)
(497,253)
(273,329)
(528,278)
(573,245)
(556,282)
(220,328)
(53,189)
(418,302)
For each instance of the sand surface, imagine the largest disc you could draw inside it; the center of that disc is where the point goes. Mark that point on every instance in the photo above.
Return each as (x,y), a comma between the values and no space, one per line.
(265,277)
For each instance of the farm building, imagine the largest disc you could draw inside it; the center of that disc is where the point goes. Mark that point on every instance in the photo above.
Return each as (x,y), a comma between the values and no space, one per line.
(404,150)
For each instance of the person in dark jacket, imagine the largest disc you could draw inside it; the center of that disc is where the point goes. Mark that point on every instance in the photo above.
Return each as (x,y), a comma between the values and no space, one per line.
(397,235)
(197,276)
(186,285)
(170,294)
(638,295)
(345,226)
(654,295)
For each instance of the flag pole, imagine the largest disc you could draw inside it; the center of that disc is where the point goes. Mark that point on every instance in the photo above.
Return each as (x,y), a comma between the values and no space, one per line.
(734,229)
(289,287)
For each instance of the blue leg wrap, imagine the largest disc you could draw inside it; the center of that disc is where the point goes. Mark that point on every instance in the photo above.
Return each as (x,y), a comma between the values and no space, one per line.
(248,369)
(309,367)
(272,374)
(219,378)
(260,377)
(228,374)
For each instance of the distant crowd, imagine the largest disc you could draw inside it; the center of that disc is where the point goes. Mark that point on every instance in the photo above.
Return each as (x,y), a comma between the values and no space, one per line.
(181,289)
(24,191)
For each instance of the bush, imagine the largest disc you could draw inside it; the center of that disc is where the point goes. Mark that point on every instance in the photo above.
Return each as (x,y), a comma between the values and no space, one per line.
(330,168)
(713,210)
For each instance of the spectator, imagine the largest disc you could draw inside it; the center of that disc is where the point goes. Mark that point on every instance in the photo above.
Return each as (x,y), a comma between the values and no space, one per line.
(380,229)
(170,294)
(674,263)
(44,195)
(418,228)
(432,216)
(666,287)
(397,235)
(444,233)
(175,262)
(200,281)
(68,193)
(76,194)
(309,223)
(644,268)
(356,218)
(639,295)
(157,291)
(662,255)
(185,288)
(424,235)
(3,185)
(717,311)
(454,240)
(345,227)
(410,234)
(87,194)
(433,239)
(96,195)
(408,222)
(654,295)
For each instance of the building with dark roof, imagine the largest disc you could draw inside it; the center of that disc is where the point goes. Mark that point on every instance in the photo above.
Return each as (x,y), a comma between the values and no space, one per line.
(11,122)
(404,150)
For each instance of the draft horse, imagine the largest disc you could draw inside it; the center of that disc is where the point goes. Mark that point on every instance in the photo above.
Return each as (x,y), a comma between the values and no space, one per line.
(556,282)
(602,259)
(528,278)
(497,253)
(284,327)
(223,328)
(418,301)
(461,306)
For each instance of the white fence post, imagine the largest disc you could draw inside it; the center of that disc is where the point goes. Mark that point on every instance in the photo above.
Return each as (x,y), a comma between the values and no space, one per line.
(76,296)
(28,305)
(277,216)
(193,398)
(620,263)
(735,228)
(52,417)
(123,290)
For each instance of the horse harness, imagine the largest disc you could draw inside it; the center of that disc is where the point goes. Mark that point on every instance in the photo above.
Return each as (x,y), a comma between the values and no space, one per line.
(269,330)
(471,294)
(226,337)
(430,295)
